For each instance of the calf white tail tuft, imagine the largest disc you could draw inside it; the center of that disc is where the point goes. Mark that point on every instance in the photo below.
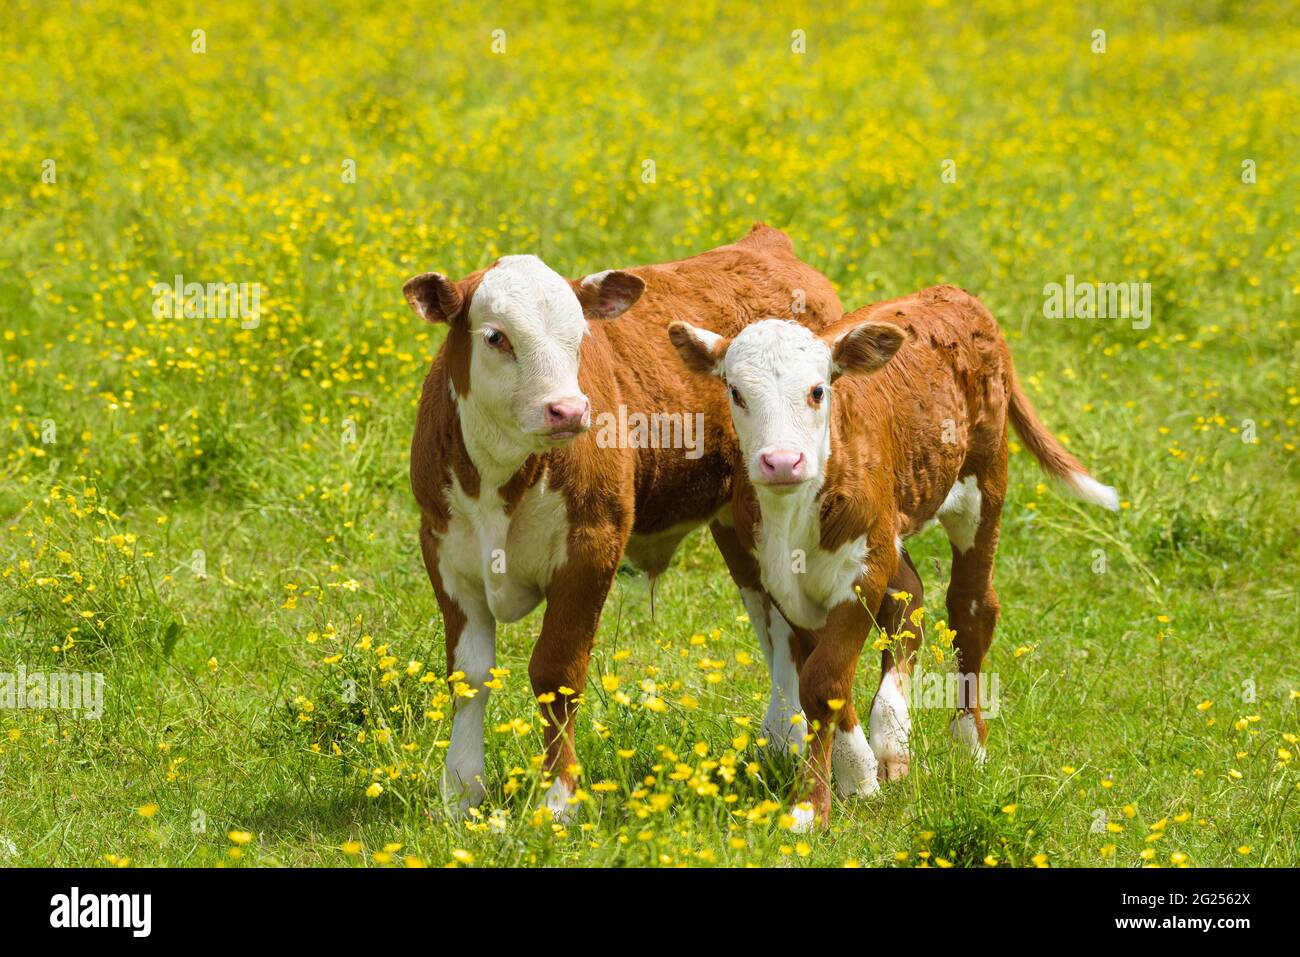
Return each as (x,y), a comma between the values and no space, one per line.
(1051,455)
(1087,488)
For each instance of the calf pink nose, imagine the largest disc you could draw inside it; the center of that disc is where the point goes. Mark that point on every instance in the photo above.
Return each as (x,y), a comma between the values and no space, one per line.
(568,415)
(782,466)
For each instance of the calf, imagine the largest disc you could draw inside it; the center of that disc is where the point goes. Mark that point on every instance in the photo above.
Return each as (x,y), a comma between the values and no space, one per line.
(520,500)
(837,467)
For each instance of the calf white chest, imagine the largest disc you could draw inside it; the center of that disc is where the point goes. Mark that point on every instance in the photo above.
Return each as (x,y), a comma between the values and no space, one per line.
(805,579)
(504,561)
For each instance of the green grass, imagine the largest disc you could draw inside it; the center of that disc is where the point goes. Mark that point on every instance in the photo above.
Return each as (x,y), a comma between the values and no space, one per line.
(200,437)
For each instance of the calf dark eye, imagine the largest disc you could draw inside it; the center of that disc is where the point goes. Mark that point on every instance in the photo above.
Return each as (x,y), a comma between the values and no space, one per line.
(817,394)
(735,397)
(497,340)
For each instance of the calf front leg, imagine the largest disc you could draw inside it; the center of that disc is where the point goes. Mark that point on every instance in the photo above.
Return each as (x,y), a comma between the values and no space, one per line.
(470,632)
(784,726)
(558,667)
(826,686)
(470,660)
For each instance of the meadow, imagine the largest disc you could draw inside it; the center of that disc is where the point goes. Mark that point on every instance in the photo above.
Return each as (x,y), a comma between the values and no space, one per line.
(216,516)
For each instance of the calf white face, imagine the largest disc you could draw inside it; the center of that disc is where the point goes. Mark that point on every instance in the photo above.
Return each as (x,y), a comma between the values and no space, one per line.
(779,376)
(526,329)
(522,324)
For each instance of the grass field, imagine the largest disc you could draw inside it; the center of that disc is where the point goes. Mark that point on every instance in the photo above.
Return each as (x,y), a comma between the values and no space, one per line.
(217,519)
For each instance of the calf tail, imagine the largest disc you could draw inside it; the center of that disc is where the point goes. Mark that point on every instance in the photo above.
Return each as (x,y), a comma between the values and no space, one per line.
(1051,455)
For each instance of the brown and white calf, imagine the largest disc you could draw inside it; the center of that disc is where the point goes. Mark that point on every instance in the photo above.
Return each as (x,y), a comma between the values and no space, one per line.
(521,502)
(838,466)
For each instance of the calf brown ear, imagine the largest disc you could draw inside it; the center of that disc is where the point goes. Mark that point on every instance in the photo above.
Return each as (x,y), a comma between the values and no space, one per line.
(865,348)
(607,294)
(701,350)
(434,297)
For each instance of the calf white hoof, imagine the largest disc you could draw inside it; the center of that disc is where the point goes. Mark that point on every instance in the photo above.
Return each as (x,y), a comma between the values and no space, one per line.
(892,769)
(891,730)
(853,765)
(785,737)
(557,801)
(460,794)
(805,818)
(967,736)
(864,788)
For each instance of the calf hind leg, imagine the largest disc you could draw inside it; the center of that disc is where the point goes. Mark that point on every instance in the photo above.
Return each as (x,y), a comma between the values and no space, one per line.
(861,761)
(973,607)
(891,720)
